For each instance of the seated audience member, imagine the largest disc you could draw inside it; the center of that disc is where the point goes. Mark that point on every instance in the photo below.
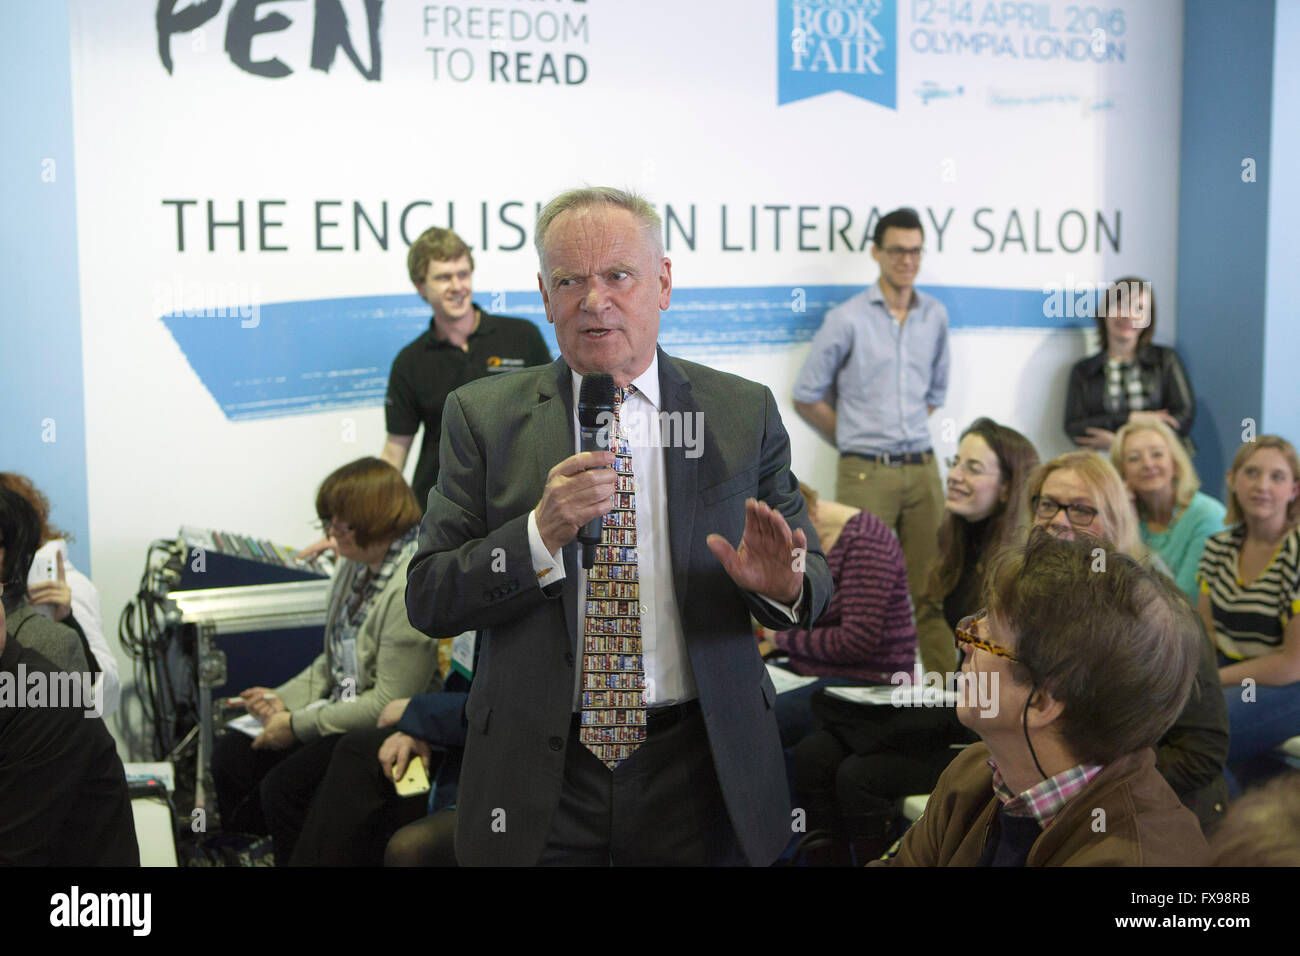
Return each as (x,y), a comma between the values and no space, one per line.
(1174,516)
(850,774)
(1263,827)
(1079,495)
(866,634)
(1250,602)
(372,656)
(357,810)
(1130,379)
(1084,672)
(58,643)
(68,597)
(63,791)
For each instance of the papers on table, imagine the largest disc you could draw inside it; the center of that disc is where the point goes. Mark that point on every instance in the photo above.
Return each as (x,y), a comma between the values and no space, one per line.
(906,695)
(785,680)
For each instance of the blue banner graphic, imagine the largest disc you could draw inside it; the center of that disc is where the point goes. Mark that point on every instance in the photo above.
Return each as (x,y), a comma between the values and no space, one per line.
(325,354)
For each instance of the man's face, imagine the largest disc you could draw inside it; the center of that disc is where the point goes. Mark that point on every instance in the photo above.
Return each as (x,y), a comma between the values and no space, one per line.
(899,256)
(994,710)
(447,288)
(604,284)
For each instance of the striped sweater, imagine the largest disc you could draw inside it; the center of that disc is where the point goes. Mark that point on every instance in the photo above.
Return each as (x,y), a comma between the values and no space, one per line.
(867,632)
(1249,620)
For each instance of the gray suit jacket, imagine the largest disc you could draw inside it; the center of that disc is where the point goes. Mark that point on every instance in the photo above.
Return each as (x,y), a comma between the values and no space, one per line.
(500,438)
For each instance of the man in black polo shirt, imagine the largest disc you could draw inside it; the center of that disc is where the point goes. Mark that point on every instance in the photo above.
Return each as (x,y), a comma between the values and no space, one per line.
(462,343)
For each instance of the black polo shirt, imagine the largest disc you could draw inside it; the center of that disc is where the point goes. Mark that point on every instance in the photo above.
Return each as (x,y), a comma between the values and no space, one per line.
(429,369)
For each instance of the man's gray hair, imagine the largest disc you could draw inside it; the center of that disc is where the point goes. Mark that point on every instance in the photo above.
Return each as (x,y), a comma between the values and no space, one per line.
(586,196)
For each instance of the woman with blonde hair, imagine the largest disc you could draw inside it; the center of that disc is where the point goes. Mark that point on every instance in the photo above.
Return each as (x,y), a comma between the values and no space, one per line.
(1250,601)
(1174,515)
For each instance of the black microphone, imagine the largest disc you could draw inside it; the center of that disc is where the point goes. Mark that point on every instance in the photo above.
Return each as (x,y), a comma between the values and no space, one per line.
(595,427)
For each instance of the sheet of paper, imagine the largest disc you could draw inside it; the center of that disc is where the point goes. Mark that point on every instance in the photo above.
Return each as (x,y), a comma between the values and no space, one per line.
(247,724)
(912,695)
(784,680)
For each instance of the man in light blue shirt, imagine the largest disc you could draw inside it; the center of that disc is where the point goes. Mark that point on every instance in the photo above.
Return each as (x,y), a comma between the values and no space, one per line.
(877,369)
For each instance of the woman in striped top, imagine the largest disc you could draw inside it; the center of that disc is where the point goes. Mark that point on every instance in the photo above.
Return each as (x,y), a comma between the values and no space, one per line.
(1250,599)
(866,634)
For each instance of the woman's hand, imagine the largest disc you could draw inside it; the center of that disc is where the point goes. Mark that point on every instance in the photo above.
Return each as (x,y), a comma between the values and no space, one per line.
(277,735)
(395,754)
(262,702)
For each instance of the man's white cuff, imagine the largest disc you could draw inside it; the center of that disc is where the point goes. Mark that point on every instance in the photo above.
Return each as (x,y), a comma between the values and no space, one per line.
(549,567)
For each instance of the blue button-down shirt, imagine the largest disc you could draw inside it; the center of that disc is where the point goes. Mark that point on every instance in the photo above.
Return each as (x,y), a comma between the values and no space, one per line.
(880,376)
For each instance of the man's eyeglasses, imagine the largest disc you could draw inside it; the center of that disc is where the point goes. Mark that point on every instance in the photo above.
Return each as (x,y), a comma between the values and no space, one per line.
(326,524)
(898,252)
(973,468)
(1046,508)
(964,634)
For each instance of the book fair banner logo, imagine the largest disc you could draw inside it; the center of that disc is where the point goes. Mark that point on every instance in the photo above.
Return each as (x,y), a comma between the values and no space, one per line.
(847,45)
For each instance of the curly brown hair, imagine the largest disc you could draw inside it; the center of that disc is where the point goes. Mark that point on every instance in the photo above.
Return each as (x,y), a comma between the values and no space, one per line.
(23,485)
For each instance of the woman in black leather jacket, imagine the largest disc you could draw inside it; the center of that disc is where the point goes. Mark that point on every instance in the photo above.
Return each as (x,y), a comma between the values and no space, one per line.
(1130,379)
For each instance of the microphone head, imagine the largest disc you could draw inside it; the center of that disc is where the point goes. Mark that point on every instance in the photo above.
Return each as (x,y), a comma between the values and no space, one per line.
(596,395)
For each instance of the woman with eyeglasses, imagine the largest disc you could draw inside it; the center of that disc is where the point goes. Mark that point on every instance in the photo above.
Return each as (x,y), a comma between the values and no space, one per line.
(1079,495)
(1174,517)
(1131,379)
(850,774)
(1250,602)
(372,655)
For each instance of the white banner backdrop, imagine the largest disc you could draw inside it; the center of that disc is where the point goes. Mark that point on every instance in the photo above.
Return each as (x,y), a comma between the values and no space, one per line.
(243,234)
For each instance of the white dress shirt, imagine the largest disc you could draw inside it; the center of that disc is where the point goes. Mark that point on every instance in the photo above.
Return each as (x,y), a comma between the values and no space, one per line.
(669,678)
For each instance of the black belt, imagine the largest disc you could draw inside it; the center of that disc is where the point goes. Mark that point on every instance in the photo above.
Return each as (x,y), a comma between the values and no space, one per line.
(658,718)
(661,718)
(895,459)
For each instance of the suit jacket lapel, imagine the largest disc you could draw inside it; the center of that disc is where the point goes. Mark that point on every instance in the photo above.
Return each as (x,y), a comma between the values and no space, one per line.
(552,423)
(683,477)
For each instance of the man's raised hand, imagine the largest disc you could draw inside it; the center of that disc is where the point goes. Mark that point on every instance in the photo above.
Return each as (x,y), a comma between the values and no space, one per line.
(765,562)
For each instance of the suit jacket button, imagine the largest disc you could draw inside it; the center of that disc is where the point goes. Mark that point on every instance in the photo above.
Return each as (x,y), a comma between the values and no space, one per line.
(568,658)
(557,743)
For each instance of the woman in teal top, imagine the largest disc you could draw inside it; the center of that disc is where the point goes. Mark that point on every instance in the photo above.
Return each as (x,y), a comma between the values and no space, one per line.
(1174,516)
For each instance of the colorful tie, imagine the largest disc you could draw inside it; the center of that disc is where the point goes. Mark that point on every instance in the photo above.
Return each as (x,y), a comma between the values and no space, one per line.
(613,676)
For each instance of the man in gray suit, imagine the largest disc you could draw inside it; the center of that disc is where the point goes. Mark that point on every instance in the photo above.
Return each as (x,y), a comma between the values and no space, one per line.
(498,553)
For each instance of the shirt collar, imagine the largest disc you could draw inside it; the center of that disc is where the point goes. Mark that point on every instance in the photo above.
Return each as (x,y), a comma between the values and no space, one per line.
(877,294)
(433,342)
(1044,801)
(647,383)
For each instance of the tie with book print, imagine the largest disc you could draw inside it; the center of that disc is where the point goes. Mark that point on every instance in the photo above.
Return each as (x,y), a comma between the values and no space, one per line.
(613,722)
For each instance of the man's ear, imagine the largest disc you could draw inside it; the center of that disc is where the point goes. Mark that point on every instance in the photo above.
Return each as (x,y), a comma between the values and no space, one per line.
(546,299)
(1044,709)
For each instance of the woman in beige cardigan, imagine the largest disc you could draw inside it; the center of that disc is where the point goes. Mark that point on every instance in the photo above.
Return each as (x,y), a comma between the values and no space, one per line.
(372,655)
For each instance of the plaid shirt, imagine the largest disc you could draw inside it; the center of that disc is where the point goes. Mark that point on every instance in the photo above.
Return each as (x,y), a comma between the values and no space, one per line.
(1045,800)
(1124,391)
